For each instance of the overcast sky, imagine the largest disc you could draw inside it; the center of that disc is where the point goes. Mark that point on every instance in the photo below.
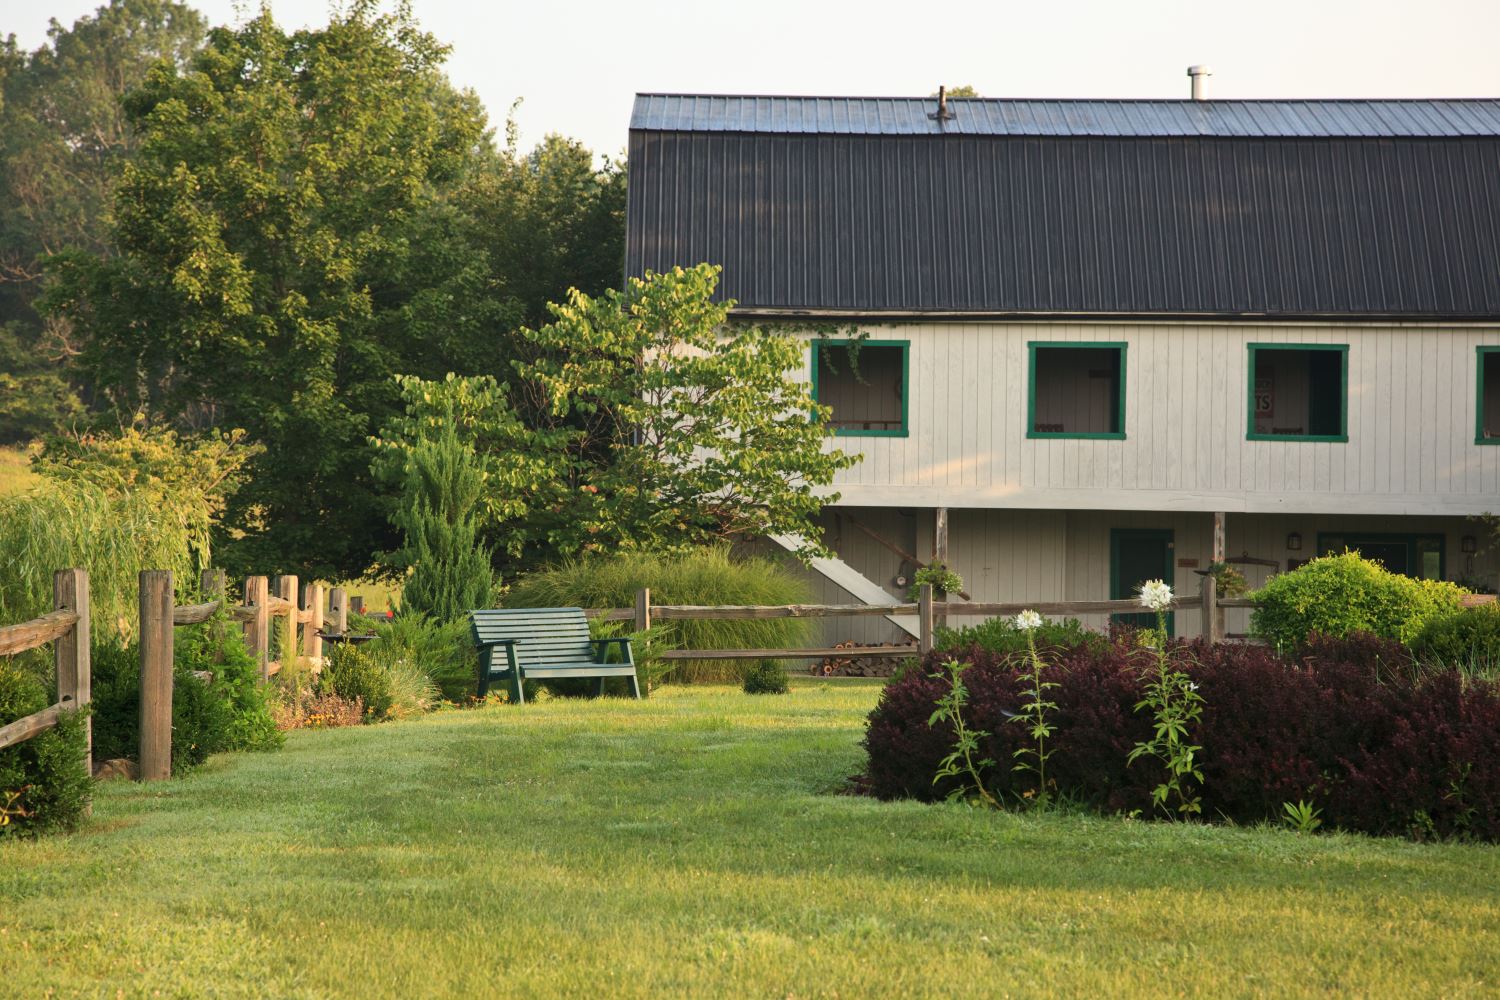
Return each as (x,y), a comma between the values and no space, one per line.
(578,63)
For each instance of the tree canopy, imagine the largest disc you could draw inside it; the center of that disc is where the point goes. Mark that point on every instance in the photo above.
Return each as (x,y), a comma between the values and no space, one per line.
(640,419)
(64,137)
(308,214)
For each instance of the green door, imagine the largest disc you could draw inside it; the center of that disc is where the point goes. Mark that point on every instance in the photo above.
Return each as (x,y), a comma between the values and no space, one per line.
(1135,556)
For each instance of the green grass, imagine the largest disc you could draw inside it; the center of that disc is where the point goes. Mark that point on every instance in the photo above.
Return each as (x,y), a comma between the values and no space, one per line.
(689,846)
(15,470)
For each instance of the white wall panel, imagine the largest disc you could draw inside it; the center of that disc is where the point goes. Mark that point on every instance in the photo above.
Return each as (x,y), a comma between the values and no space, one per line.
(1411,404)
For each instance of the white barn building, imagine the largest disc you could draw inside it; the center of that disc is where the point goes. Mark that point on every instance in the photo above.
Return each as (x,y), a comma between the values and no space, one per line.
(1096,329)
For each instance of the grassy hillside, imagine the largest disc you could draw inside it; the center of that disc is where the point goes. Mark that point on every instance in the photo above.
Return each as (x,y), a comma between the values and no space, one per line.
(15,471)
(691,845)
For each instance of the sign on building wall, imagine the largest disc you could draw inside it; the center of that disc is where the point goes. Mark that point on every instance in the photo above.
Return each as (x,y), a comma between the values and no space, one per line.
(1265,395)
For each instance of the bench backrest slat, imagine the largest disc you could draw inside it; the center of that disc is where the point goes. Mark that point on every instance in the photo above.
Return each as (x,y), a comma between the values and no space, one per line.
(544,635)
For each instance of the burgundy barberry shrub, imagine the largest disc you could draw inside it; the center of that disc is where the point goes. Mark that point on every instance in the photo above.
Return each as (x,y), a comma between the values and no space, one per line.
(1347,724)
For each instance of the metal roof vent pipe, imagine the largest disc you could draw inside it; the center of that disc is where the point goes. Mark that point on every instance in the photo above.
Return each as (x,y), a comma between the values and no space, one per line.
(1198,73)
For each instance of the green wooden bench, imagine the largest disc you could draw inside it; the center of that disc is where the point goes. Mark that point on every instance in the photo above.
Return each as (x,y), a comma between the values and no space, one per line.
(545,643)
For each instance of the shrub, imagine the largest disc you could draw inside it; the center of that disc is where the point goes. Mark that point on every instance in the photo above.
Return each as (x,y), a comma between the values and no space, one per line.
(1000,636)
(354,675)
(217,647)
(44,785)
(201,717)
(1337,595)
(1346,727)
(1468,641)
(702,576)
(765,677)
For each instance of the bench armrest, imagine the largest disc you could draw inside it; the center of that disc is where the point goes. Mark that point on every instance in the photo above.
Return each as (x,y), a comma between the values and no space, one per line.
(497,642)
(627,652)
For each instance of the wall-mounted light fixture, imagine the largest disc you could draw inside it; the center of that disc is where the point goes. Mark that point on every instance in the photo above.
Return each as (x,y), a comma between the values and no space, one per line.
(1468,544)
(1294,542)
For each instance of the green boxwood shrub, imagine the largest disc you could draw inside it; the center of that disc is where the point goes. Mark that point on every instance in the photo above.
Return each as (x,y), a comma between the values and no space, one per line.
(1338,595)
(229,712)
(351,673)
(765,677)
(201,717)
(47,770)
(1468,641)
(702,576)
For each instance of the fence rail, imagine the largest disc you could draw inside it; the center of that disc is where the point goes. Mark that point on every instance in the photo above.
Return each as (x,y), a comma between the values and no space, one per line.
(160,617)
(929,612)
(67,628)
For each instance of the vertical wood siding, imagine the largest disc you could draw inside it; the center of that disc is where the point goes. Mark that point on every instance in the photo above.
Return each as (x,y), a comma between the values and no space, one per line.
(1411,406)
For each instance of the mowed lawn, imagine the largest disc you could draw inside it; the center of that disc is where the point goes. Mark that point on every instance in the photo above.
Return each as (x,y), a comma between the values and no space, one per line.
(692,845)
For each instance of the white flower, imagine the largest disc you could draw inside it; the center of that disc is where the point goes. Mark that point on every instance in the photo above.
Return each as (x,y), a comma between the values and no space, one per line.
(1156,595)
(1028,620)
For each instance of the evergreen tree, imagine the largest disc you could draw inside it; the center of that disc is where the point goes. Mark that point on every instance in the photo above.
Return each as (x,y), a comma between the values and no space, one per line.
(451,571)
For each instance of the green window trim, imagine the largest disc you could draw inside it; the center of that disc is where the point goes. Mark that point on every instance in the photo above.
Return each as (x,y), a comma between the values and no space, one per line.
(1341,437)
(1031,349)
(1479,356)
(905,346)
(1414,542)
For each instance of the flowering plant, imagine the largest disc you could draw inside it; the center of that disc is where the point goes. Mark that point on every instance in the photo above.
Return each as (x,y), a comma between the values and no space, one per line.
(1036,710)
(1156,595)
(1028,620)
(1176,707)
(960,763)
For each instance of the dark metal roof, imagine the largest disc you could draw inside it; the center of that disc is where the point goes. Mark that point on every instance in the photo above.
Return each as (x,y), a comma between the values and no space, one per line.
(1079,225)
(1021,116)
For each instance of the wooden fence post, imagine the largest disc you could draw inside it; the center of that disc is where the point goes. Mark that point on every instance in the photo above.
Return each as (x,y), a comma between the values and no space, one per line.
(258,629)
(1213,630)
(338,610)
(312,601)
(214,583)
(70,590)
(357,604)
(286,589)
(924,619)
(643,609)
(156,675)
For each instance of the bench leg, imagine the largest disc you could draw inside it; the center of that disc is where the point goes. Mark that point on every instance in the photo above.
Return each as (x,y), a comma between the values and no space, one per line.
(635,686)
(517,693)
(599,688)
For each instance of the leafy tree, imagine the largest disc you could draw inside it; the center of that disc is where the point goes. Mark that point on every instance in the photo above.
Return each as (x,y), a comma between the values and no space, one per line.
(550,221)
(283,242)
(637,420)
(450,569)
(962,90)
(64,137)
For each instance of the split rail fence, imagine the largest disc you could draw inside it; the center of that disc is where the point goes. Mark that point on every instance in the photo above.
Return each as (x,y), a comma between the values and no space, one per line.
(160,617)
(928,609)
(67,627)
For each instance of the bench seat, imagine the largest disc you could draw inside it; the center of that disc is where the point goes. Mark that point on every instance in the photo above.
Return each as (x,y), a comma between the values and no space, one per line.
(544,644)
